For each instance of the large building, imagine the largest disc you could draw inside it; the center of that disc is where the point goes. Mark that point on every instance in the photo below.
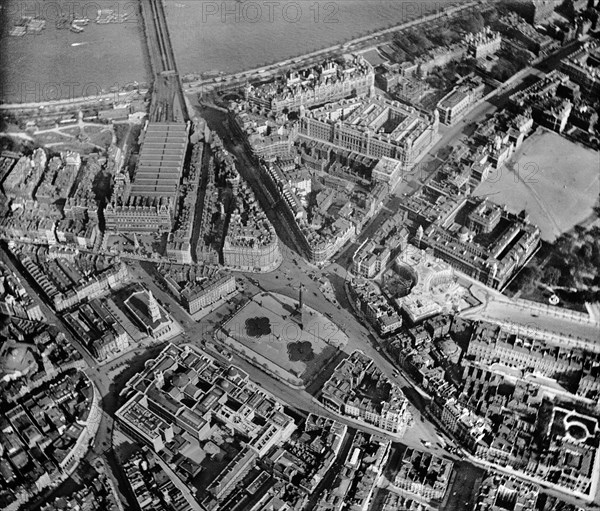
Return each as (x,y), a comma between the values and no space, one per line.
(323,245)
(142,423)
(140,215)
(423,474)
(330,81)
(517,30)
(583,68)
(251,242)
(370,259)
(457,102)
(250,252)
(198,296)
(484,43)
(435,290)
(150,316)
(375,128)
(388,171)
(368,298)
(341,393)
(491,344)
(492,257)
(147,204)
(185,390)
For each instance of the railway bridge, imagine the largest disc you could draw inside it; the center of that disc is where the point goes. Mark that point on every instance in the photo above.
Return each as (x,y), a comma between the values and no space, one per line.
(168,102)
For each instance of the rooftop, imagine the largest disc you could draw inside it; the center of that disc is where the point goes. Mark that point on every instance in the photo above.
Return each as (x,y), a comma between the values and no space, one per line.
(161,160)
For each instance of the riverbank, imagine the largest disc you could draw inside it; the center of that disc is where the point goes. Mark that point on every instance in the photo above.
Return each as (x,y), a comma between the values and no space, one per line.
(237,36)
(362,43)
(85,72)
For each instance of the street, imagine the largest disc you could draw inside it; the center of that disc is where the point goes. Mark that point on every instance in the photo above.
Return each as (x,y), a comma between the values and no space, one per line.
(279,282)
(110,377)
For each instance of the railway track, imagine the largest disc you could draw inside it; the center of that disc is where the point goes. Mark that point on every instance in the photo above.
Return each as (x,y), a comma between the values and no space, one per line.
(168,102)
(161,35)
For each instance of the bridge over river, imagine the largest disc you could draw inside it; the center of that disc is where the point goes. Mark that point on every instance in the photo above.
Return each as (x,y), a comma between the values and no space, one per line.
(168,102)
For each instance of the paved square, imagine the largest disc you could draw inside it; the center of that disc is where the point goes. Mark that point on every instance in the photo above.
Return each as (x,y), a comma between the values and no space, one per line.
(269,326)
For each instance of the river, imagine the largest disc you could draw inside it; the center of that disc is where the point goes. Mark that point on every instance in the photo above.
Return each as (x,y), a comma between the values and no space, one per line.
(232,35)
(207,35)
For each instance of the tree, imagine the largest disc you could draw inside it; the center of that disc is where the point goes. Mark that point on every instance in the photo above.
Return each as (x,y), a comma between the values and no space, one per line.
(420,41)
(528,278)
(473,22)
(504,69)
(586,252)
(443,37)
(490,17)
(563,243)
(551,276)
(566,278)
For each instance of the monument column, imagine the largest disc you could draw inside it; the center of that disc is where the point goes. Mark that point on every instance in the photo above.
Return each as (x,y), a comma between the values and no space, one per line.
(300,308)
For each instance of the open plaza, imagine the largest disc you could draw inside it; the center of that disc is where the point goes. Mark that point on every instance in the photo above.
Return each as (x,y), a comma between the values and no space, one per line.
(270,326)
(552,178)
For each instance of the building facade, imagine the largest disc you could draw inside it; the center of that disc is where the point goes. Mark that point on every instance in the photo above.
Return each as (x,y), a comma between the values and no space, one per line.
(454,105)
(139,215)
(375,128)
(330,81)
(583,67)
(197,297)
(147,203)
(484,43)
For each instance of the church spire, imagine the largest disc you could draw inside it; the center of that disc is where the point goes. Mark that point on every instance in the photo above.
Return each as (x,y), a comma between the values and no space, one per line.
(153,310)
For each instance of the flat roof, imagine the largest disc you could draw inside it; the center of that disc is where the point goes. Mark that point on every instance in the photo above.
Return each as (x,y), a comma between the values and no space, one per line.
(453,99)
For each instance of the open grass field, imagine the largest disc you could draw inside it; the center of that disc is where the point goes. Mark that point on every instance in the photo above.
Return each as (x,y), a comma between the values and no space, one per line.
(51,137)
(267,325)
(553,179)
